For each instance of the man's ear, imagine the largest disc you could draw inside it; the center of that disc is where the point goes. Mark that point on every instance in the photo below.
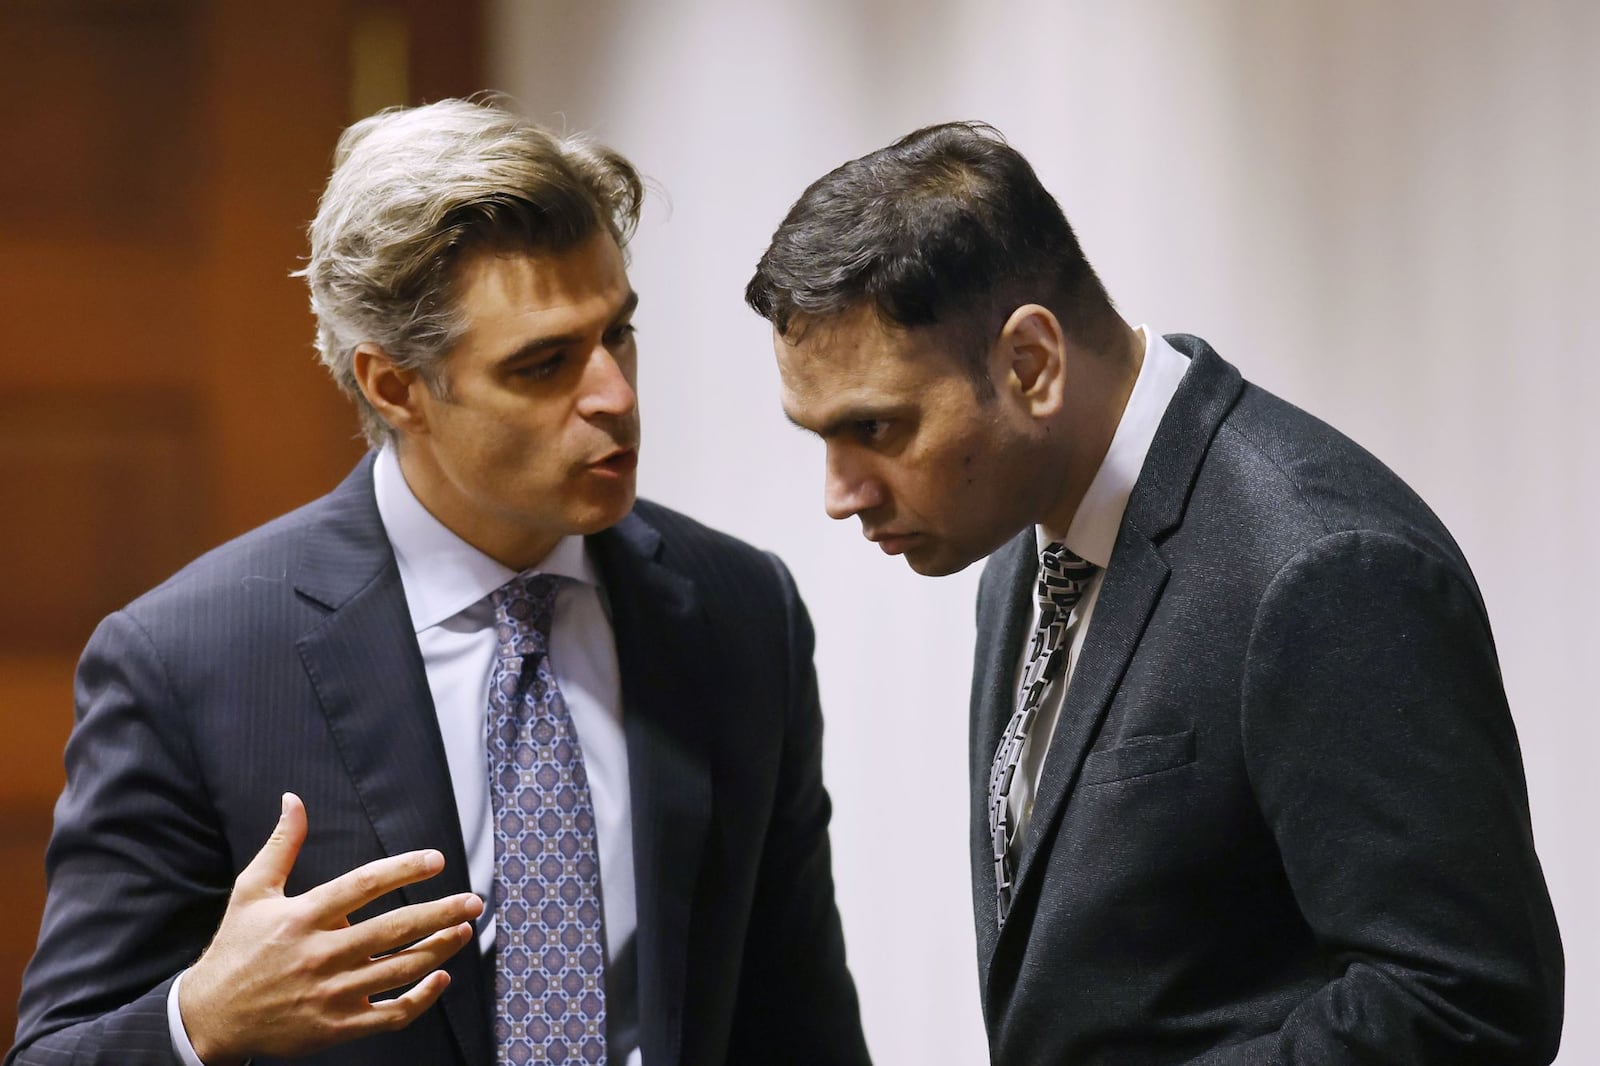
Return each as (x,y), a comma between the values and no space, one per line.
(393,391)
(1029,360)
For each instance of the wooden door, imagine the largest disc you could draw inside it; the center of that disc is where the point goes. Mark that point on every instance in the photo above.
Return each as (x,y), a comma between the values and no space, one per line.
(159,160)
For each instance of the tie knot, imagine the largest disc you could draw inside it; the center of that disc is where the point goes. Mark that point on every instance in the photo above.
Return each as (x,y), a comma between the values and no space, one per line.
(1063,578)
(523,608)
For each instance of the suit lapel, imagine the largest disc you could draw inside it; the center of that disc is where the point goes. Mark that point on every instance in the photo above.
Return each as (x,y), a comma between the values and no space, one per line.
(1131,588)
(1007,593)
(657,621)
(366,668)
(1132,584)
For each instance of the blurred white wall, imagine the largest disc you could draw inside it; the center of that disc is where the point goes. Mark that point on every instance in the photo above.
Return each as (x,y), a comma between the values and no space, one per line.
(1384,210)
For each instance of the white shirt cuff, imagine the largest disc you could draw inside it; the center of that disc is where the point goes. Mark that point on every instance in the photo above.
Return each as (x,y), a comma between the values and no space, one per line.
(180,1036)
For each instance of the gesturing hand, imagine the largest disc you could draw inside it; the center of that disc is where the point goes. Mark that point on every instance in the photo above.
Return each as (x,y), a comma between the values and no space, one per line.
(288,976)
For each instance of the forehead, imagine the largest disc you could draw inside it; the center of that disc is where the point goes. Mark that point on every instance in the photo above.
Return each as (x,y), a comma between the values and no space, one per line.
(853,361)
(511,297)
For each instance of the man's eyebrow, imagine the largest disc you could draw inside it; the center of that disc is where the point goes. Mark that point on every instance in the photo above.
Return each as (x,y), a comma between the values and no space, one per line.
(540,345)
(838,421)
(795,422)
(629,306)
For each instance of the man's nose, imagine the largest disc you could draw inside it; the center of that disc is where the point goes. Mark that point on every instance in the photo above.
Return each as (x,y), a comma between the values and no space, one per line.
(849,489)
(608,387)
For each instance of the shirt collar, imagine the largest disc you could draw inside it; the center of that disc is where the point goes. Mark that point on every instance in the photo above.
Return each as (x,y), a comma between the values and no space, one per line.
(1093,533)
(443,575)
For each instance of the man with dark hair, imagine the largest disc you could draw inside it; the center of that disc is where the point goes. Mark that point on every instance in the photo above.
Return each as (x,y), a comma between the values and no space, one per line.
(547,755)
(1245,787)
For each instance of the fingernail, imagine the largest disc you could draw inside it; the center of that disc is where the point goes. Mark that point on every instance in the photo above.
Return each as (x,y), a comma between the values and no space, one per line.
(283,806)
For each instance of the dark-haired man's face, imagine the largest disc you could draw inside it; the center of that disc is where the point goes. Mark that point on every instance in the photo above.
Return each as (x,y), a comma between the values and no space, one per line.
(935,471)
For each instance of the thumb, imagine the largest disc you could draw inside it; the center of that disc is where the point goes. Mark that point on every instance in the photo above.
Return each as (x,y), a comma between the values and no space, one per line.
(269,870)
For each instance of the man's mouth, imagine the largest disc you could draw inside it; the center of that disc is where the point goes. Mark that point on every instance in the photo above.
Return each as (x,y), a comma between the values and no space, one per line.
(618,463)
(890,543)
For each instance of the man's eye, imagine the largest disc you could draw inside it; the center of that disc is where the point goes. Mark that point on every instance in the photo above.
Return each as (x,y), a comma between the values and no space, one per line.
(542,369)
(617,334)
(871,429)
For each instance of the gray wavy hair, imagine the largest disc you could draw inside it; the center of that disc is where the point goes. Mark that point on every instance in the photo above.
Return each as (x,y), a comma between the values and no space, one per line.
(416,189)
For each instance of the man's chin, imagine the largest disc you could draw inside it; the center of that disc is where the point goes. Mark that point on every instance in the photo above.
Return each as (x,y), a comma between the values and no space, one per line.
(934,560)
(603,513)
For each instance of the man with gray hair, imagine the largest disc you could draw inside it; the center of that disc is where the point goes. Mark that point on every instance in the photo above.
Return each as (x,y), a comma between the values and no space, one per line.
(537,764)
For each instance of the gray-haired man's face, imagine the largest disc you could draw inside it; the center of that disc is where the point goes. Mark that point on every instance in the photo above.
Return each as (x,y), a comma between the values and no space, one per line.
(537,435)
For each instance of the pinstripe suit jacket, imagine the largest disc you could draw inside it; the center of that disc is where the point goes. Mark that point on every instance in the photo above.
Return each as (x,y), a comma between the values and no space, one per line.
(1283,818)
(285,660)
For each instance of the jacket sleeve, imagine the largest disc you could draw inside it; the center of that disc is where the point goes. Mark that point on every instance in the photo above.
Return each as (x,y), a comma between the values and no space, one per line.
(797,1002)
(137,877)
(1383,756)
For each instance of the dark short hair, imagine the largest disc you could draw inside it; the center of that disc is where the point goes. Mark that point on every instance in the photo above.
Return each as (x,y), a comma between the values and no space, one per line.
(949,225)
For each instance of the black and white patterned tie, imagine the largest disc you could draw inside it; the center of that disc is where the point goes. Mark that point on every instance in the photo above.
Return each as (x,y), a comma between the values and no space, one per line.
(1063,579)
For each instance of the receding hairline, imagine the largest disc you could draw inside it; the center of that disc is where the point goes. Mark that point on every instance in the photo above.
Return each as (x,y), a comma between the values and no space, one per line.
(946,342)
(947,228)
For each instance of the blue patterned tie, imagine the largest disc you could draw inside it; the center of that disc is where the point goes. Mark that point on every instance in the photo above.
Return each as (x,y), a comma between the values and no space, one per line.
(550,972)
(1063,579)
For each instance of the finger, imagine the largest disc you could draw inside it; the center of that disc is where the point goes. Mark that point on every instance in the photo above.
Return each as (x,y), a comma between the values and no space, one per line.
(395,929)
(354,890)
(269,870)
(410,964)
(401,1011)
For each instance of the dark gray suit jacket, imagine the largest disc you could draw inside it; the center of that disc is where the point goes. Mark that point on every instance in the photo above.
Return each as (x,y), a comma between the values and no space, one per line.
(1283,817)
(285,660)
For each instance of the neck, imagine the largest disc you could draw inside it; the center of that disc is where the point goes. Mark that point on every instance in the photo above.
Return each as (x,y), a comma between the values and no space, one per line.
(1098,390)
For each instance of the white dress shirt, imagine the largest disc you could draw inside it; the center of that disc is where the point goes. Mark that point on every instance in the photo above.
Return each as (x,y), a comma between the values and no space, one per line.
(447,583)
(1092,536)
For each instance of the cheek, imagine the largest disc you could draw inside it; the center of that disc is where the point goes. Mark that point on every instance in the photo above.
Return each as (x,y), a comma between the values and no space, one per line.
(970,460)
(986,481)
(538,433)
(505,452)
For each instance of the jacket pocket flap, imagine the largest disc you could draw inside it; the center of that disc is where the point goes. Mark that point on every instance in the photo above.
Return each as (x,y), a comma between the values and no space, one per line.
(1138,757)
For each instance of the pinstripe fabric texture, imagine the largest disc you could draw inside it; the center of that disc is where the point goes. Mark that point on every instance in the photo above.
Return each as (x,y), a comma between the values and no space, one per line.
(285,660)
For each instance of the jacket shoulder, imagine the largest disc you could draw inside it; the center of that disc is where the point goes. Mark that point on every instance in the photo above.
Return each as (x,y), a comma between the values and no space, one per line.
(1304,472)
(263,553)
(254,588)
